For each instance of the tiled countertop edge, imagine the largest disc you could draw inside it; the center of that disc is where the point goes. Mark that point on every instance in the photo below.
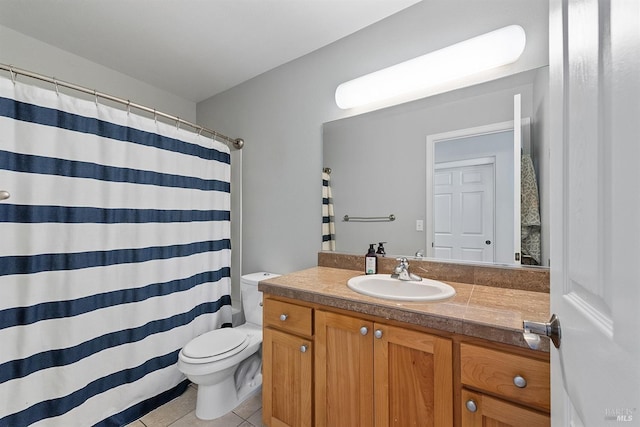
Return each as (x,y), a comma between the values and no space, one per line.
(403,313)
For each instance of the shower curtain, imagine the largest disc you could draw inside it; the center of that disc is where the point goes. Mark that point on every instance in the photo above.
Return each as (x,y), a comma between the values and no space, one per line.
(328,221)
(115,253)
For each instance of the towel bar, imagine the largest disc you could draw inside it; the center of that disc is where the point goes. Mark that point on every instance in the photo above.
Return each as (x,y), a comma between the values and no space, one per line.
(348,218)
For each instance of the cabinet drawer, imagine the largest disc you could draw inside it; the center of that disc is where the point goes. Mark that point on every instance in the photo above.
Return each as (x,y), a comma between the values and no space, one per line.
(511,376)
(482,410)
(288,317)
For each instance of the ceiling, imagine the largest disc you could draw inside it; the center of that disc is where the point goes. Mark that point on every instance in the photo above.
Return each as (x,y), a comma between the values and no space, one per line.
(193,48)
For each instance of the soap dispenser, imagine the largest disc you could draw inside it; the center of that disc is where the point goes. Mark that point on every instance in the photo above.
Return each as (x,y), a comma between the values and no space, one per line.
(381,251)
(371,260)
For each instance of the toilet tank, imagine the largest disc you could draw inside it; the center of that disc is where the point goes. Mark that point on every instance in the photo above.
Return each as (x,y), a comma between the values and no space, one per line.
(251,297)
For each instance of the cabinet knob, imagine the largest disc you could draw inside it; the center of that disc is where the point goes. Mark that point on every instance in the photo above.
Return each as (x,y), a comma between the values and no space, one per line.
(303,348)
(471,405)
(519,381)
(378,333)
(283,317)
(364,330)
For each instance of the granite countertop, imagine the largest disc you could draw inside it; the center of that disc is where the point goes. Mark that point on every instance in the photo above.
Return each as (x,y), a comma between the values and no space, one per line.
(480,311)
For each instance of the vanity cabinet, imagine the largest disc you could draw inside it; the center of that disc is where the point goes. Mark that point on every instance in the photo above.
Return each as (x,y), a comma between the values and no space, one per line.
(287,356)
(374,374)
(329,367)
(503,389)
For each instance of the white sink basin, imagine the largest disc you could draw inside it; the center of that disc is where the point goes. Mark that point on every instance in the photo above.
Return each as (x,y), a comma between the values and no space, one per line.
(383,286)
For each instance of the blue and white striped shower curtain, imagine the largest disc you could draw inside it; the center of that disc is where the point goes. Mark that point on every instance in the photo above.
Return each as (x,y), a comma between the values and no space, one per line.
(328,220)
(115,252)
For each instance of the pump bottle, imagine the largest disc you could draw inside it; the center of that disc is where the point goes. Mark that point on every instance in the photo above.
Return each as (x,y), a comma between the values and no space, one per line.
(371,260)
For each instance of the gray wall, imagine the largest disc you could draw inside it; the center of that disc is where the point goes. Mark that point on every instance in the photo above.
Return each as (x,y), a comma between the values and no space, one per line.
(280,115)
(30,54)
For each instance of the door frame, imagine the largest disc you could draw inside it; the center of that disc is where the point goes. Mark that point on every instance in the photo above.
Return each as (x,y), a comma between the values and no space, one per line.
(431,141)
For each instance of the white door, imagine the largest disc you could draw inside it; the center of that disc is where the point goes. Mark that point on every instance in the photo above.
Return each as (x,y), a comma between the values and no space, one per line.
(595,218)
(464,210)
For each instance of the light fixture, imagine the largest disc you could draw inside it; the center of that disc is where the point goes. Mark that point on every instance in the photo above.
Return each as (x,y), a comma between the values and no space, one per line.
(475,55)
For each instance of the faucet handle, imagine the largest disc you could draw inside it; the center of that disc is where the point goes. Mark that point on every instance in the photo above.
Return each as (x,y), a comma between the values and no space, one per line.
(403,261)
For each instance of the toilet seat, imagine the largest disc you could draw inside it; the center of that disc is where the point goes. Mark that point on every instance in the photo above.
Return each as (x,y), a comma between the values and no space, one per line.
(216,345)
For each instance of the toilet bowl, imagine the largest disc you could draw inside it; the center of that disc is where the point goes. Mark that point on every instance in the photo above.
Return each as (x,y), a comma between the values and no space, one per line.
(226,363)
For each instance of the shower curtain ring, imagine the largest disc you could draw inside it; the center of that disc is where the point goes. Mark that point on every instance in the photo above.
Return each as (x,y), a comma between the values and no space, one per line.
(95,94)
(155,116)
(55,84)
(177,123)
(13,75)
(128,107)
(200,131)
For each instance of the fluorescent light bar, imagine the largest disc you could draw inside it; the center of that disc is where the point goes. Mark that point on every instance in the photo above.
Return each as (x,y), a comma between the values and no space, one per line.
(481,53)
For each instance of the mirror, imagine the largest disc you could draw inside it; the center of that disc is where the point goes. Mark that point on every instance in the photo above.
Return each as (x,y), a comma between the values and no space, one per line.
(380,164)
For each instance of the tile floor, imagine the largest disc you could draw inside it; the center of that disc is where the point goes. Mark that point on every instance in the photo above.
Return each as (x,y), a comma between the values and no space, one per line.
(181,412)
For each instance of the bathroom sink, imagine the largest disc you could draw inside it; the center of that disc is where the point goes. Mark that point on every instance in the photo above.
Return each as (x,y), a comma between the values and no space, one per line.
(383,286)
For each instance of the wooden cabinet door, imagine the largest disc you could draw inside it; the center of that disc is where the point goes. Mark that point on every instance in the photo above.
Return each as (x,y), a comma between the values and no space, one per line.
(413,374)
(344,371)
(287,380)
(480,410)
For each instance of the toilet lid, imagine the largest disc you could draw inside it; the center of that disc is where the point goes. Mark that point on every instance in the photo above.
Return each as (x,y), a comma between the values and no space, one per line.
(215,343)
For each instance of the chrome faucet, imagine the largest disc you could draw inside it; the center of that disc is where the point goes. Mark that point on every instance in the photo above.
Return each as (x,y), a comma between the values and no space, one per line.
(401,272)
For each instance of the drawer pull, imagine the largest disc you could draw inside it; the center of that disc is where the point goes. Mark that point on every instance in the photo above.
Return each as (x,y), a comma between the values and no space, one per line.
(519,381)
(284,317)
(364,330)
(303,348)
(378,333)
(471,405)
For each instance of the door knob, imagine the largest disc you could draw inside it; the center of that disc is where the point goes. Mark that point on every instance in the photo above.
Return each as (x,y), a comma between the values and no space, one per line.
(487,242)
(533,330)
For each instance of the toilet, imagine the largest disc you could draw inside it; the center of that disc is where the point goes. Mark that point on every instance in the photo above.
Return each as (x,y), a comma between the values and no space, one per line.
(226,363)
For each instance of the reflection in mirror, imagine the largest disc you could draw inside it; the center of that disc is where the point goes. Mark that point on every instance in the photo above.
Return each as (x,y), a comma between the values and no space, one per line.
(378,162)
(474,183)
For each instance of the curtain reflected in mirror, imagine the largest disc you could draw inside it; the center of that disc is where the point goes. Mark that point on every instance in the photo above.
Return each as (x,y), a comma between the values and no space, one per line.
(328,218)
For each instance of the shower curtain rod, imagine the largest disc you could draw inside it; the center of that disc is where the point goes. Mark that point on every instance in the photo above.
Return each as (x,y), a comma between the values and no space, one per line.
(236,143)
